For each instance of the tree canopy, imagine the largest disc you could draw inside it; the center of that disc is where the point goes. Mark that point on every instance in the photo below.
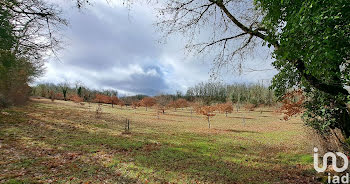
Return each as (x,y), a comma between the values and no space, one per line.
(314,37)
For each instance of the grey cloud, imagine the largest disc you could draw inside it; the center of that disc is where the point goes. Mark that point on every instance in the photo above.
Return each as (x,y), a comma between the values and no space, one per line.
(116,53)
(110,48)
(148,83)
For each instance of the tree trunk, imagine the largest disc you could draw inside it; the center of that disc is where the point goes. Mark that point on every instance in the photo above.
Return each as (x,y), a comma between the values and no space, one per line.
(344,120)
(209,121)
(65,95)
(332,89)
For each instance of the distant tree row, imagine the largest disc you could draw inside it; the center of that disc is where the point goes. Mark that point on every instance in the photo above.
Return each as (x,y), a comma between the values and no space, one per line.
(216,92)
(76,92)
(203,93)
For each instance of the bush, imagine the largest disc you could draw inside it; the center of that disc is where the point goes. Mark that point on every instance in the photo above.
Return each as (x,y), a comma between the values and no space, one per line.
(15,74)
(76,98)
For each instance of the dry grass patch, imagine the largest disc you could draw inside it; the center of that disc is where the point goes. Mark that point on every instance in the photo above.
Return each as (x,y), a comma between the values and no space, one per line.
(63,142)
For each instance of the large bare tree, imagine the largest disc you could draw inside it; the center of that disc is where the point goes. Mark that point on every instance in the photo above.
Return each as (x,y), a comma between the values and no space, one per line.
(309,47)
(36,27)
(227,29)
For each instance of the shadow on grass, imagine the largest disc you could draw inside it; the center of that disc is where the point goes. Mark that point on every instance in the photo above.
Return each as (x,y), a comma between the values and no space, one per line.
(237,131)
(210,164)
(186,157)
(237,117)
(31,153)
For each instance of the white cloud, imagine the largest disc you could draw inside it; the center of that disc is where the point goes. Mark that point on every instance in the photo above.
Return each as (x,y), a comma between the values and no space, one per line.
(112,47)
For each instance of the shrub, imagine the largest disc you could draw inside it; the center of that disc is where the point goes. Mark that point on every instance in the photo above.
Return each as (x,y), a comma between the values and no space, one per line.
(148,102)
(52,95)
(207,111)
(59,96)
(76,98)
(99,98)
(121,103)
(225,108)
(135,104)
(15,74)
(114,100)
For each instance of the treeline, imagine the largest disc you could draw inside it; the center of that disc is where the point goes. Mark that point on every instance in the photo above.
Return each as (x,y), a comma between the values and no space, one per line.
(79,93)
(209,93)
(65,91)
(16,67)
(216,92)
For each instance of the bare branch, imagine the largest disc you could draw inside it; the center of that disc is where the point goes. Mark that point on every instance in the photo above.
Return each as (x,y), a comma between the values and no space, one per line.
(210,27)
(36,26)
(238,23)
(221,40)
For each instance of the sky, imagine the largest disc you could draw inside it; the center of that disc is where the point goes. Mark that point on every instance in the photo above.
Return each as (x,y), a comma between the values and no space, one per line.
(108,46)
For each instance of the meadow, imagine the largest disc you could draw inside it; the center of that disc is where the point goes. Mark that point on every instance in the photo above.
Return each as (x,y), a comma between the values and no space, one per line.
(64,142)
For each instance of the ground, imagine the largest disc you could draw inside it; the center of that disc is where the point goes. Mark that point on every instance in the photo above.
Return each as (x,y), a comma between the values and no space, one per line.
(64,142)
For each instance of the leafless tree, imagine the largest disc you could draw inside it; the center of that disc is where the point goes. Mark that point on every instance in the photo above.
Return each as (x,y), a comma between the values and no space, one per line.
(36,25)
(64,88)
(229,29)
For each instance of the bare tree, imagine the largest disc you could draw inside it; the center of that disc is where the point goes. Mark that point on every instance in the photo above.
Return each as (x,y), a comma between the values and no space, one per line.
(232,28)
(37,25)
(64,88)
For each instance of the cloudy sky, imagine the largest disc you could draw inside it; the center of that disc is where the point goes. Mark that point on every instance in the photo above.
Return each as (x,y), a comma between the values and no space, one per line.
(111,47)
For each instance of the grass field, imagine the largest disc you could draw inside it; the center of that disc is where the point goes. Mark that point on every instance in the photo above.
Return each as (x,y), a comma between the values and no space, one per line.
(63,142)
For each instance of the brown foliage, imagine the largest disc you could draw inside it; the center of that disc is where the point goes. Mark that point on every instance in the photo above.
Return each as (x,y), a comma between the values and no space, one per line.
(135,104)
(59,96)
(292,103)
(52,95)
(76,98)
(225,107)
(148,102)
(102,99)
(205,110)
(179,103)
(121,103)
(114,100)
(171,104)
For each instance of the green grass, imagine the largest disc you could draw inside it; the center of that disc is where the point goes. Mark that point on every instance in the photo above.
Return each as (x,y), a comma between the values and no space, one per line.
(64,142)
